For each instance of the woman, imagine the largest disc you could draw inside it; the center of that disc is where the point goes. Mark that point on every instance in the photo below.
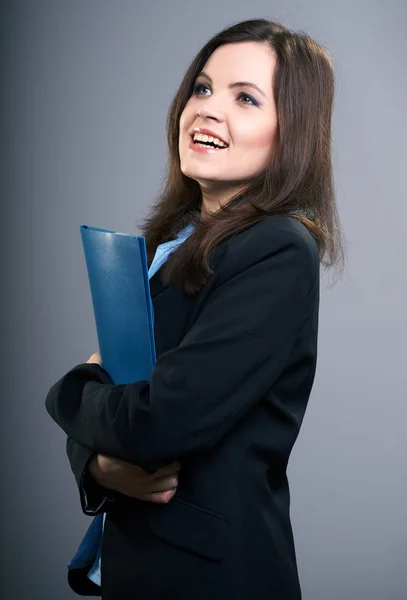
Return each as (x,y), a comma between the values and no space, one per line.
(190,467)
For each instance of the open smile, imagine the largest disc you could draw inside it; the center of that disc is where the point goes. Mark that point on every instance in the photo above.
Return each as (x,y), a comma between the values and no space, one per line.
(204,148)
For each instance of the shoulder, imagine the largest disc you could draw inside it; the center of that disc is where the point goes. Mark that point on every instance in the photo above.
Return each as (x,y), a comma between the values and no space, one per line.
(280,239)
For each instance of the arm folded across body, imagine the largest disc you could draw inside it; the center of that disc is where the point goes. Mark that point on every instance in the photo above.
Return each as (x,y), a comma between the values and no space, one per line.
(235,351)
(94,498)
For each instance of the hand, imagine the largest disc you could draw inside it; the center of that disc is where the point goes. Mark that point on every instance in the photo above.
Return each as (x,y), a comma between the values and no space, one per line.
(95,358)
(132,481)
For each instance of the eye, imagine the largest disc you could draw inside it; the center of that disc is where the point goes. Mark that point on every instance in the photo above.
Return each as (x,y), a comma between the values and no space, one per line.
(255,103)
(252,102)
(197,87)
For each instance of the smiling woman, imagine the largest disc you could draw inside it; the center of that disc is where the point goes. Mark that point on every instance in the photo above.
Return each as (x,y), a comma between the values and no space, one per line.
(250,209)
(267,92)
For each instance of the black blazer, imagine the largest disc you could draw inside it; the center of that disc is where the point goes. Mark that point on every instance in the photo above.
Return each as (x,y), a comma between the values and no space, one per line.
(234,371)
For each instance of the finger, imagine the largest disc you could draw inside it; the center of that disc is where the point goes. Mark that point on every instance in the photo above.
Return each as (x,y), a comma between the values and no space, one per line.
(163,484)
(174,467)
(167,470)
(161,497)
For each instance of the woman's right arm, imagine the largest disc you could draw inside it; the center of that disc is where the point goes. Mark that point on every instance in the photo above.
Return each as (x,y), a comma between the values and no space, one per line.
(94,498)
(99,477)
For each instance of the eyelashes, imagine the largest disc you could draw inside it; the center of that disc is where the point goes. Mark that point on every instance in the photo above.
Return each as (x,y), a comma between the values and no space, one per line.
(253,102)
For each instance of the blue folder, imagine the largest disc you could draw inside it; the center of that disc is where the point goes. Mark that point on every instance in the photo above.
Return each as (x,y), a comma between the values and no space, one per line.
(124,317)
(119,277)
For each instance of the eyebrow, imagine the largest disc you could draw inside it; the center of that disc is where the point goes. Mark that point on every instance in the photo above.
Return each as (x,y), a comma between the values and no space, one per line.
(235,84)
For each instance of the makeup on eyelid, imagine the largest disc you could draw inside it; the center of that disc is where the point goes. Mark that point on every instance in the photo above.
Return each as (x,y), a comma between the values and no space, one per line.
(254,102)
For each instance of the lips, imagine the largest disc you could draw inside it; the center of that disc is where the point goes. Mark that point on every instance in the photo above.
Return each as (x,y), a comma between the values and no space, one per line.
(204,150)
(205,131)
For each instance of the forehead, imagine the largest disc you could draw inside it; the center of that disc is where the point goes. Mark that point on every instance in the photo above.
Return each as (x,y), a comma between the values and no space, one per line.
(243,61)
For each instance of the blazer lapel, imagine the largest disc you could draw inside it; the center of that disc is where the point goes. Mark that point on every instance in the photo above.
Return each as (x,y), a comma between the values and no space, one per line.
(156,287)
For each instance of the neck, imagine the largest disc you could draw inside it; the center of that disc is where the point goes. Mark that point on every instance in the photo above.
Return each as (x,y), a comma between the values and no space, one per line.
(213,200)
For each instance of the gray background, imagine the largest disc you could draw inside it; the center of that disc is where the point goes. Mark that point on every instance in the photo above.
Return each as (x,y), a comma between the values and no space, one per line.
(85,90)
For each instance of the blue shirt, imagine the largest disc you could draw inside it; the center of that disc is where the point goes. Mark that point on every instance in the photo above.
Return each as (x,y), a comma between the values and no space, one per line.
(92,542)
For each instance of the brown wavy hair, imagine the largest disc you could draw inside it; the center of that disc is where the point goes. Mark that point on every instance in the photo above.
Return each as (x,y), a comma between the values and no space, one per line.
(298,180)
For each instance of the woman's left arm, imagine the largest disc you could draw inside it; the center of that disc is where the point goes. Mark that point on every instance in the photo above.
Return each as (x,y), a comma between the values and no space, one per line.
(235,351)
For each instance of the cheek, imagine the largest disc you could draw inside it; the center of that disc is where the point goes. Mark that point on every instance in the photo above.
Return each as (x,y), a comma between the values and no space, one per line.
(183,115)
(182,124)
(261,139)
(185,123)
(187,116)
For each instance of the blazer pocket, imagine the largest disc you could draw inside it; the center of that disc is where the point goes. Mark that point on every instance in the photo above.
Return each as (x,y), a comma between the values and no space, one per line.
(191,527)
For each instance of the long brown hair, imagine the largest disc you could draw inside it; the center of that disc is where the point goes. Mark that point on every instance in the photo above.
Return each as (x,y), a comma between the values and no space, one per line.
(298,180)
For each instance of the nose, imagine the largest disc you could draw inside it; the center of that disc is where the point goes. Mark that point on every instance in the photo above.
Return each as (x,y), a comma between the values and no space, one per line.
(211,111)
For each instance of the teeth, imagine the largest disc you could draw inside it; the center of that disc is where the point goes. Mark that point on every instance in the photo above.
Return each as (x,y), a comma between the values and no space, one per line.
(208,138)
(202,145)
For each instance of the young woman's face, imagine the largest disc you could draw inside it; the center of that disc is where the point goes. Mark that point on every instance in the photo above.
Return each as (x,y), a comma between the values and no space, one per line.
(242,116)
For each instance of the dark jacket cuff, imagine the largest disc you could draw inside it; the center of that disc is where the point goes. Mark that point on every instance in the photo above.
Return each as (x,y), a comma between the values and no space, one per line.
(94,498)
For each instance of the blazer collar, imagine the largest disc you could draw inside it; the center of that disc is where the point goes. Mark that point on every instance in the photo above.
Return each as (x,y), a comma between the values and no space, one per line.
(156,286)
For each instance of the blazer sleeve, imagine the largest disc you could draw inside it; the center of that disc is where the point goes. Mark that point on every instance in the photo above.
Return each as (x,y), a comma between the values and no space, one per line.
(234,352)
(94,498)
